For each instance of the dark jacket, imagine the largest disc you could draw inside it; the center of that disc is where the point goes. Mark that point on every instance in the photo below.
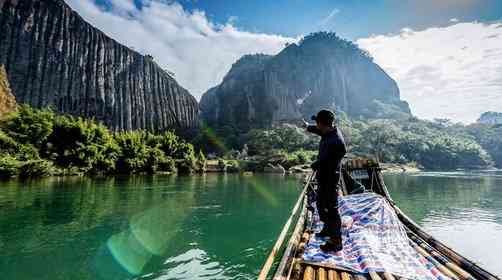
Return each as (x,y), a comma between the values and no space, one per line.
(331,152)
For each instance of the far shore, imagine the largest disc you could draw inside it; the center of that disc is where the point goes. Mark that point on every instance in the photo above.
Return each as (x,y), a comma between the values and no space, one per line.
(392,168)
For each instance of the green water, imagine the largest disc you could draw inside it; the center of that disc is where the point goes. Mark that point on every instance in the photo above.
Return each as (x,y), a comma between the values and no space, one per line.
(209,227)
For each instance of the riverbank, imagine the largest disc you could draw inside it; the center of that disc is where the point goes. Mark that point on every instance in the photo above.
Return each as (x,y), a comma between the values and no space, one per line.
(235,166)
(393,168)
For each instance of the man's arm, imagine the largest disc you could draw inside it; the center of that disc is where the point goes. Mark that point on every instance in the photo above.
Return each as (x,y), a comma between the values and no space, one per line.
(313,129)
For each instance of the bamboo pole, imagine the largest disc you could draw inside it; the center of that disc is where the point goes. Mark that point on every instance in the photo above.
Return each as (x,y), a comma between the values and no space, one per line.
(333,275)
(374,275)
(344,275)
(459,260)
(305,236)
(270,260)
(321,274)
(360,277)
(292,248)
(464,275)
(309,274)
(388,276)
(437,264)
(324,265)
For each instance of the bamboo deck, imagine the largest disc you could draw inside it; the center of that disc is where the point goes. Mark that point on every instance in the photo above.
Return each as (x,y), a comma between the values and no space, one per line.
(292,267)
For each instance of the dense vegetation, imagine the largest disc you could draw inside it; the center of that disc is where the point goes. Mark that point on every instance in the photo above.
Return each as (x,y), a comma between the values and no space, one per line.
(39,143)
(437,145)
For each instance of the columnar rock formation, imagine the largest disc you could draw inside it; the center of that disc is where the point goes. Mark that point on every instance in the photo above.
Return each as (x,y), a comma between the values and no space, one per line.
(7,100)
(322,71)
(55,58)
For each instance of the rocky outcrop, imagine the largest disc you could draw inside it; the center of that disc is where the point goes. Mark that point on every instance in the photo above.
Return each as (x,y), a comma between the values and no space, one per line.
(270,168)
(241,98)
(7,100)
(55,58)
(490,118)
(321,71)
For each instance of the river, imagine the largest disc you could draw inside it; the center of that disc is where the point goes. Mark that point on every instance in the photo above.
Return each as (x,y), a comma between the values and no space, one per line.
(207,227)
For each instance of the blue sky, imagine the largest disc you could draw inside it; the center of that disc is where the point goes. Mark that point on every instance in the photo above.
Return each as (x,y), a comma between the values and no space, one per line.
(446,55)
(352,19)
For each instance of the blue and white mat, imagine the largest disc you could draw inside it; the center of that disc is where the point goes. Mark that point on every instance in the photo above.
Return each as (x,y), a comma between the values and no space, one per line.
(373,240)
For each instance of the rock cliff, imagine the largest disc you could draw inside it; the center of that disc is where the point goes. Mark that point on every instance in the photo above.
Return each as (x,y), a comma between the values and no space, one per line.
(490,118)
(55,58)
(7,100)
(321,71)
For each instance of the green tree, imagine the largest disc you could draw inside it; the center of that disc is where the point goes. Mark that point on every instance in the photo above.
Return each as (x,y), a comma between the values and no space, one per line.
(29,126)
(380,139)
(81,143)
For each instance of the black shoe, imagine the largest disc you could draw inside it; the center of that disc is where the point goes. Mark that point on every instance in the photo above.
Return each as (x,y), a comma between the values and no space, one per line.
(332,246)
(322,234)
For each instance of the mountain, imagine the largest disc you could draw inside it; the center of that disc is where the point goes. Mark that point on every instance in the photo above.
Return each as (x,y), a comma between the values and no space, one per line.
(490,118)
(55,58)
(321,71)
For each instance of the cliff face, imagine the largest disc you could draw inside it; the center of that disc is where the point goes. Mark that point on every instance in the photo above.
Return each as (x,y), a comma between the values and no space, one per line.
(54,58)
(490,118)
(241,98)
(322,71)
(7,100)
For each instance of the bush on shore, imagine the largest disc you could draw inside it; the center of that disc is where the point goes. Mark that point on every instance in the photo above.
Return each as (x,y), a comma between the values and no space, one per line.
(40,143)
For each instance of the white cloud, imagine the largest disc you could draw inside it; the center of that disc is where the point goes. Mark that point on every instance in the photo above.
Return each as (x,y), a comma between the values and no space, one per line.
(123,5)
(197,50)
(445,72)
(454,20)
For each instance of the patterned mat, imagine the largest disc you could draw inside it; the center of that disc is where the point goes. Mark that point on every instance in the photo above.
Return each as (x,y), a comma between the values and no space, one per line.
(373,240)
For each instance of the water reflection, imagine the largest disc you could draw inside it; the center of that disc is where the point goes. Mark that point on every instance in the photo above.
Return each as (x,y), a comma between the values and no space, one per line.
(201,227)
(149,234)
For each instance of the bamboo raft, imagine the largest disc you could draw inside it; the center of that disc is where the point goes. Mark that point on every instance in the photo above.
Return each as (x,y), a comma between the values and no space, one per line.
(357,172)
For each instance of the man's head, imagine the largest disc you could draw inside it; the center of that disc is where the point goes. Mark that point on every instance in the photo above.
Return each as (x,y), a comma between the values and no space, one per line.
(324,120)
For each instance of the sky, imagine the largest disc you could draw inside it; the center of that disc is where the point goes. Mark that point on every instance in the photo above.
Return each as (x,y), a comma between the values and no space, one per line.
(446,55)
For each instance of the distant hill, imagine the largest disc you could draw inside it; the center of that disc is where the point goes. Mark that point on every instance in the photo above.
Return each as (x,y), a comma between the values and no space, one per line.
(55,58)
(321,71)
(490,118)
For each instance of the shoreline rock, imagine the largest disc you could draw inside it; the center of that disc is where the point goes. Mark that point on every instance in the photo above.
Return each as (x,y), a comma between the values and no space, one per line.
(393,168)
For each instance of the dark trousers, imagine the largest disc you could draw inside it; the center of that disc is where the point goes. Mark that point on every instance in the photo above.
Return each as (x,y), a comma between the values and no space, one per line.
(327,204)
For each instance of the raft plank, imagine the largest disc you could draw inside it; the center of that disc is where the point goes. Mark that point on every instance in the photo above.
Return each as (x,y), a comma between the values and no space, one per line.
(309,273)
(321,274)
(437,264)
(388,276)
(374,276)
(344,275)
(462,274)
(333,275)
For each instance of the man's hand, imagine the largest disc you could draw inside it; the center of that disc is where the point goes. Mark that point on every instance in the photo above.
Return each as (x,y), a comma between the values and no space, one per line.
(305,124)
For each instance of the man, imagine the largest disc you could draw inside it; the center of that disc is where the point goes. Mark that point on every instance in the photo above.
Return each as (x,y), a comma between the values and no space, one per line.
(328,166)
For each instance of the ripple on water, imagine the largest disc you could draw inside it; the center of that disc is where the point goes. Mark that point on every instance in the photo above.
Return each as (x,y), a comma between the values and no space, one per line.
(192,264)
(459,215)
(474,174)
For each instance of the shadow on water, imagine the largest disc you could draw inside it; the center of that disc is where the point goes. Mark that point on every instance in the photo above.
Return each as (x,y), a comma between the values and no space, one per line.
(160,227)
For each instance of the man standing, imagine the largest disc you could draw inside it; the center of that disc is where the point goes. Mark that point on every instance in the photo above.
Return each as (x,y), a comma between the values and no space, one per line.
(328,166)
